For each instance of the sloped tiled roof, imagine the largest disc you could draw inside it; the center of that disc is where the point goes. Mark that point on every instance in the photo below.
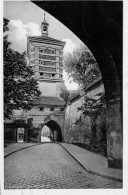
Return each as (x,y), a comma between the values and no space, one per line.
(51,101)
(46,39)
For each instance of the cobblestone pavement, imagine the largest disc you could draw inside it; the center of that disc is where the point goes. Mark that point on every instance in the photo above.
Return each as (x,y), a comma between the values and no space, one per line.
(49,166)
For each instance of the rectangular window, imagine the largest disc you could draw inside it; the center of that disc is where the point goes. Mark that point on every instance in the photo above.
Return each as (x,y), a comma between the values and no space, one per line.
(41,74)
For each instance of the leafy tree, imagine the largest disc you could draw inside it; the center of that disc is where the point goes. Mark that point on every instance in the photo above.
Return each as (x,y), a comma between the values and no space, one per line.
(81,66)
(65,95)
(20,86)
(5,29)
(93,108)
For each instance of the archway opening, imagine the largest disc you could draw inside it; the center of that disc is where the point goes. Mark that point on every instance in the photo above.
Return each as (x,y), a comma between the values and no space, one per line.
(20,134)
(55,131)
(46,134)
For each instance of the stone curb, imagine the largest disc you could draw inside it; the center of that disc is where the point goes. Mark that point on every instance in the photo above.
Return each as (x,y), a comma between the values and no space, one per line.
(92,171)
(25,148)
(5,155)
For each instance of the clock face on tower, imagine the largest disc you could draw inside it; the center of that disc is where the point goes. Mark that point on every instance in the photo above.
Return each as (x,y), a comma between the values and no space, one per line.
(44,28)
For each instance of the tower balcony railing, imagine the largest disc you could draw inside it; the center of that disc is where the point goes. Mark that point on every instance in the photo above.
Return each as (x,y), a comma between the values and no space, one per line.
(50,79)
(47,69)
(37,52)
(50,72)
(46,60)
(45,63)
(46,66)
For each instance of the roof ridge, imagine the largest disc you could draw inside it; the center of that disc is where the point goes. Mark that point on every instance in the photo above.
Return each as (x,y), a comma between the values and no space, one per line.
(49,100)
(45,38)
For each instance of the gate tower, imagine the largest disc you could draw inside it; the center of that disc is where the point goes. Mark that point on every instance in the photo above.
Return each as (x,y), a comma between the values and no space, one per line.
(45,56)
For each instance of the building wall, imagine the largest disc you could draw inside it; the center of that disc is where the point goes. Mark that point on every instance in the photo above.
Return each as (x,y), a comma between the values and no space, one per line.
(52,89)
(75,132)
(37,115)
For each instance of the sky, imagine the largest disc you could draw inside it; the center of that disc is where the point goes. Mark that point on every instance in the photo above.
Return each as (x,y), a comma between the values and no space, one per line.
(25,20)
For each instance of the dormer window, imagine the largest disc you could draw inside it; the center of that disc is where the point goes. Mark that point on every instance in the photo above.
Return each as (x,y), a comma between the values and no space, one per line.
(51,109)
(41,108)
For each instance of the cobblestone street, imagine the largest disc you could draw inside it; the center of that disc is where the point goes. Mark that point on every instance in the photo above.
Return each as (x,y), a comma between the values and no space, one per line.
(50,166)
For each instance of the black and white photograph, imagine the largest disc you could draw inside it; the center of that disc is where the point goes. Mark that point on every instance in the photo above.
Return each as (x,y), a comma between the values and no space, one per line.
(63,95)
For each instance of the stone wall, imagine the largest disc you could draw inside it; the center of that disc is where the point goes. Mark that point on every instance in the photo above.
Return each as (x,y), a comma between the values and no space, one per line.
(114,134)
(75,132)
(78,129)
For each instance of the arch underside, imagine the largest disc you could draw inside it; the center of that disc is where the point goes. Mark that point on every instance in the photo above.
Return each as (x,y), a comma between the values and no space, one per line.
(99,26)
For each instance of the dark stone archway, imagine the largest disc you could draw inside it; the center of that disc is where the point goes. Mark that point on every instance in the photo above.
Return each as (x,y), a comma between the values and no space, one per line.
(55,129)
(99,25)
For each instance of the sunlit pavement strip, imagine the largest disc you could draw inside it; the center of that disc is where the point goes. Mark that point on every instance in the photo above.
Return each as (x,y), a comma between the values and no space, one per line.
(45,139)
(49,166)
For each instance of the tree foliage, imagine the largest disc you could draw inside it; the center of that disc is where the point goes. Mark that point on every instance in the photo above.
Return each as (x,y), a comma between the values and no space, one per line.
(20,86)
(81,66)
(93,108)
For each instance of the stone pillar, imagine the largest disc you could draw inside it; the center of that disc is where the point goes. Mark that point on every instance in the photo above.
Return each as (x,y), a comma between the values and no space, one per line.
(39,136)
(37,71)
(114,133)
(15,135)
(26,135)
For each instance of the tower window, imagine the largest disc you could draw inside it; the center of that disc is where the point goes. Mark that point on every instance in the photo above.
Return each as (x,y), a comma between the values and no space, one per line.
(53,52)
(53,75)
(40,62)
(41,74)
(51,109)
